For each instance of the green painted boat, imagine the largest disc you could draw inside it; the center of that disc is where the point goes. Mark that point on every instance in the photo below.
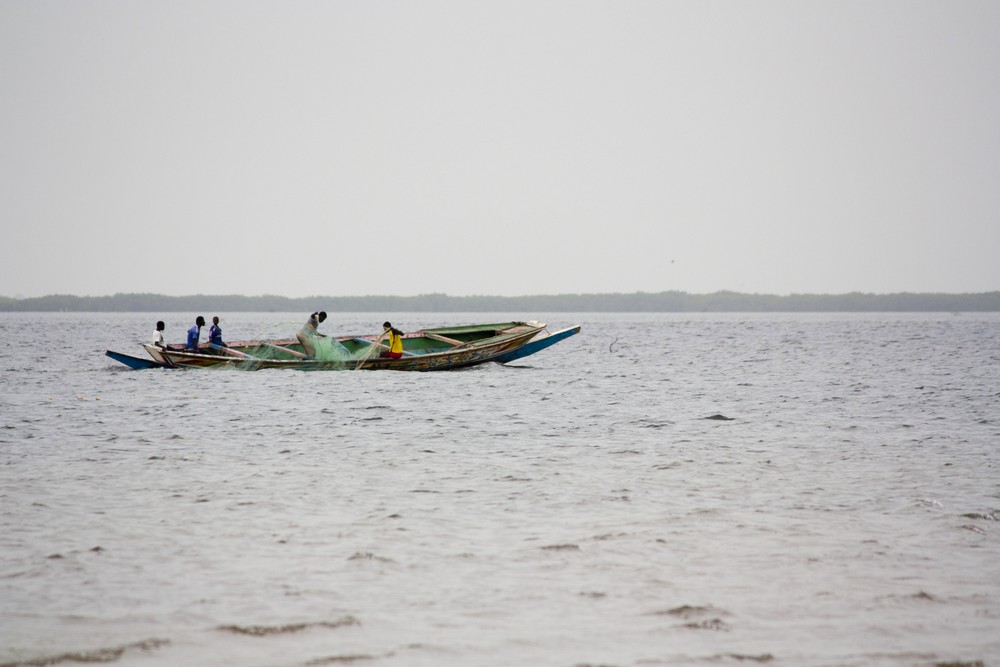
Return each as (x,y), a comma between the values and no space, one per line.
(443,348)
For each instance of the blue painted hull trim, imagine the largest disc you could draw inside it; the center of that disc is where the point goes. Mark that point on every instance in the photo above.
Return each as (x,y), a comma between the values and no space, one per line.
(136,363)
(537,345)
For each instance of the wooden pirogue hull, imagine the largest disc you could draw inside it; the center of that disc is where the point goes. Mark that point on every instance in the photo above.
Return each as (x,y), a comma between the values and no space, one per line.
(428,350)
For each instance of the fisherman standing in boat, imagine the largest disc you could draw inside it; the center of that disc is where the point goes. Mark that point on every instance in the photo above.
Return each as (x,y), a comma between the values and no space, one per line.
(309,332)
(395,350)
(215,333)
(194,333)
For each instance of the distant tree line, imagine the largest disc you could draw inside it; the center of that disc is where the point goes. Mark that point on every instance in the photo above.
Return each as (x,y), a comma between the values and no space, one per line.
(681,302)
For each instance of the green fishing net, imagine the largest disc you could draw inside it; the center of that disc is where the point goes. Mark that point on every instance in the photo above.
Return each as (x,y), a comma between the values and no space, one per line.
(328,349)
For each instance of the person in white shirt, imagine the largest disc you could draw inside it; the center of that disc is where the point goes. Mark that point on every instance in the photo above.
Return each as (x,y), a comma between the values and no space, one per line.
(158,335)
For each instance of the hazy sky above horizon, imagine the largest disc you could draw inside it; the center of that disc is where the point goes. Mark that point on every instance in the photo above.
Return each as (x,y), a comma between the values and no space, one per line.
(505,148)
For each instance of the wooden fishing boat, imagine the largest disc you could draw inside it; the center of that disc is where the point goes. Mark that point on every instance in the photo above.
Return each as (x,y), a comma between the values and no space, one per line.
(444,348)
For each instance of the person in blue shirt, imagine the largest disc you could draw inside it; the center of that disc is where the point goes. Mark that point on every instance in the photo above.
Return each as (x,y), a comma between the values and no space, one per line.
(194,333)
(215,333)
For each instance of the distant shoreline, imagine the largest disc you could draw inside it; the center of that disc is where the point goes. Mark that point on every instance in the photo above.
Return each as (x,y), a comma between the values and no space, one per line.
(666,302)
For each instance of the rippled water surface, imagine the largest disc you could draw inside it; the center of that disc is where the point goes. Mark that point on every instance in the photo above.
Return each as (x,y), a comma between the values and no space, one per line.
(665,489)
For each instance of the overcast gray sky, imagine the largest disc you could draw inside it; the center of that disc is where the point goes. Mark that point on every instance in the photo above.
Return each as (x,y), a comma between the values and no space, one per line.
(505,148)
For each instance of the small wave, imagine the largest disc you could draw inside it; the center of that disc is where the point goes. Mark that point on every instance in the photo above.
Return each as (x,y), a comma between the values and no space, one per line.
(561,547)
(763,657)
(94,656)
(344,659)
(290,628)
(692,611)
(655,424)
(367,555)
(608,536)
(716,624)
(987,516)
(919,596)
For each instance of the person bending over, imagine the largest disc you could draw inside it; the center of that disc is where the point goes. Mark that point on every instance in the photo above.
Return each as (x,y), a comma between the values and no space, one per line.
(309,332)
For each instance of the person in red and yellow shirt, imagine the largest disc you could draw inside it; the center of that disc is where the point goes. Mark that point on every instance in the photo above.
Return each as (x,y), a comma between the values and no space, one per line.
(395,350)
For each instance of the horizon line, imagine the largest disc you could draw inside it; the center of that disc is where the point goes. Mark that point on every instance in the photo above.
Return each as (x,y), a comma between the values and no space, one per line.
(492,296)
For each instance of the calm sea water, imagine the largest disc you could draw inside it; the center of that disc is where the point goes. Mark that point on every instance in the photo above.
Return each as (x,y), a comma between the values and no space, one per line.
(586,506)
